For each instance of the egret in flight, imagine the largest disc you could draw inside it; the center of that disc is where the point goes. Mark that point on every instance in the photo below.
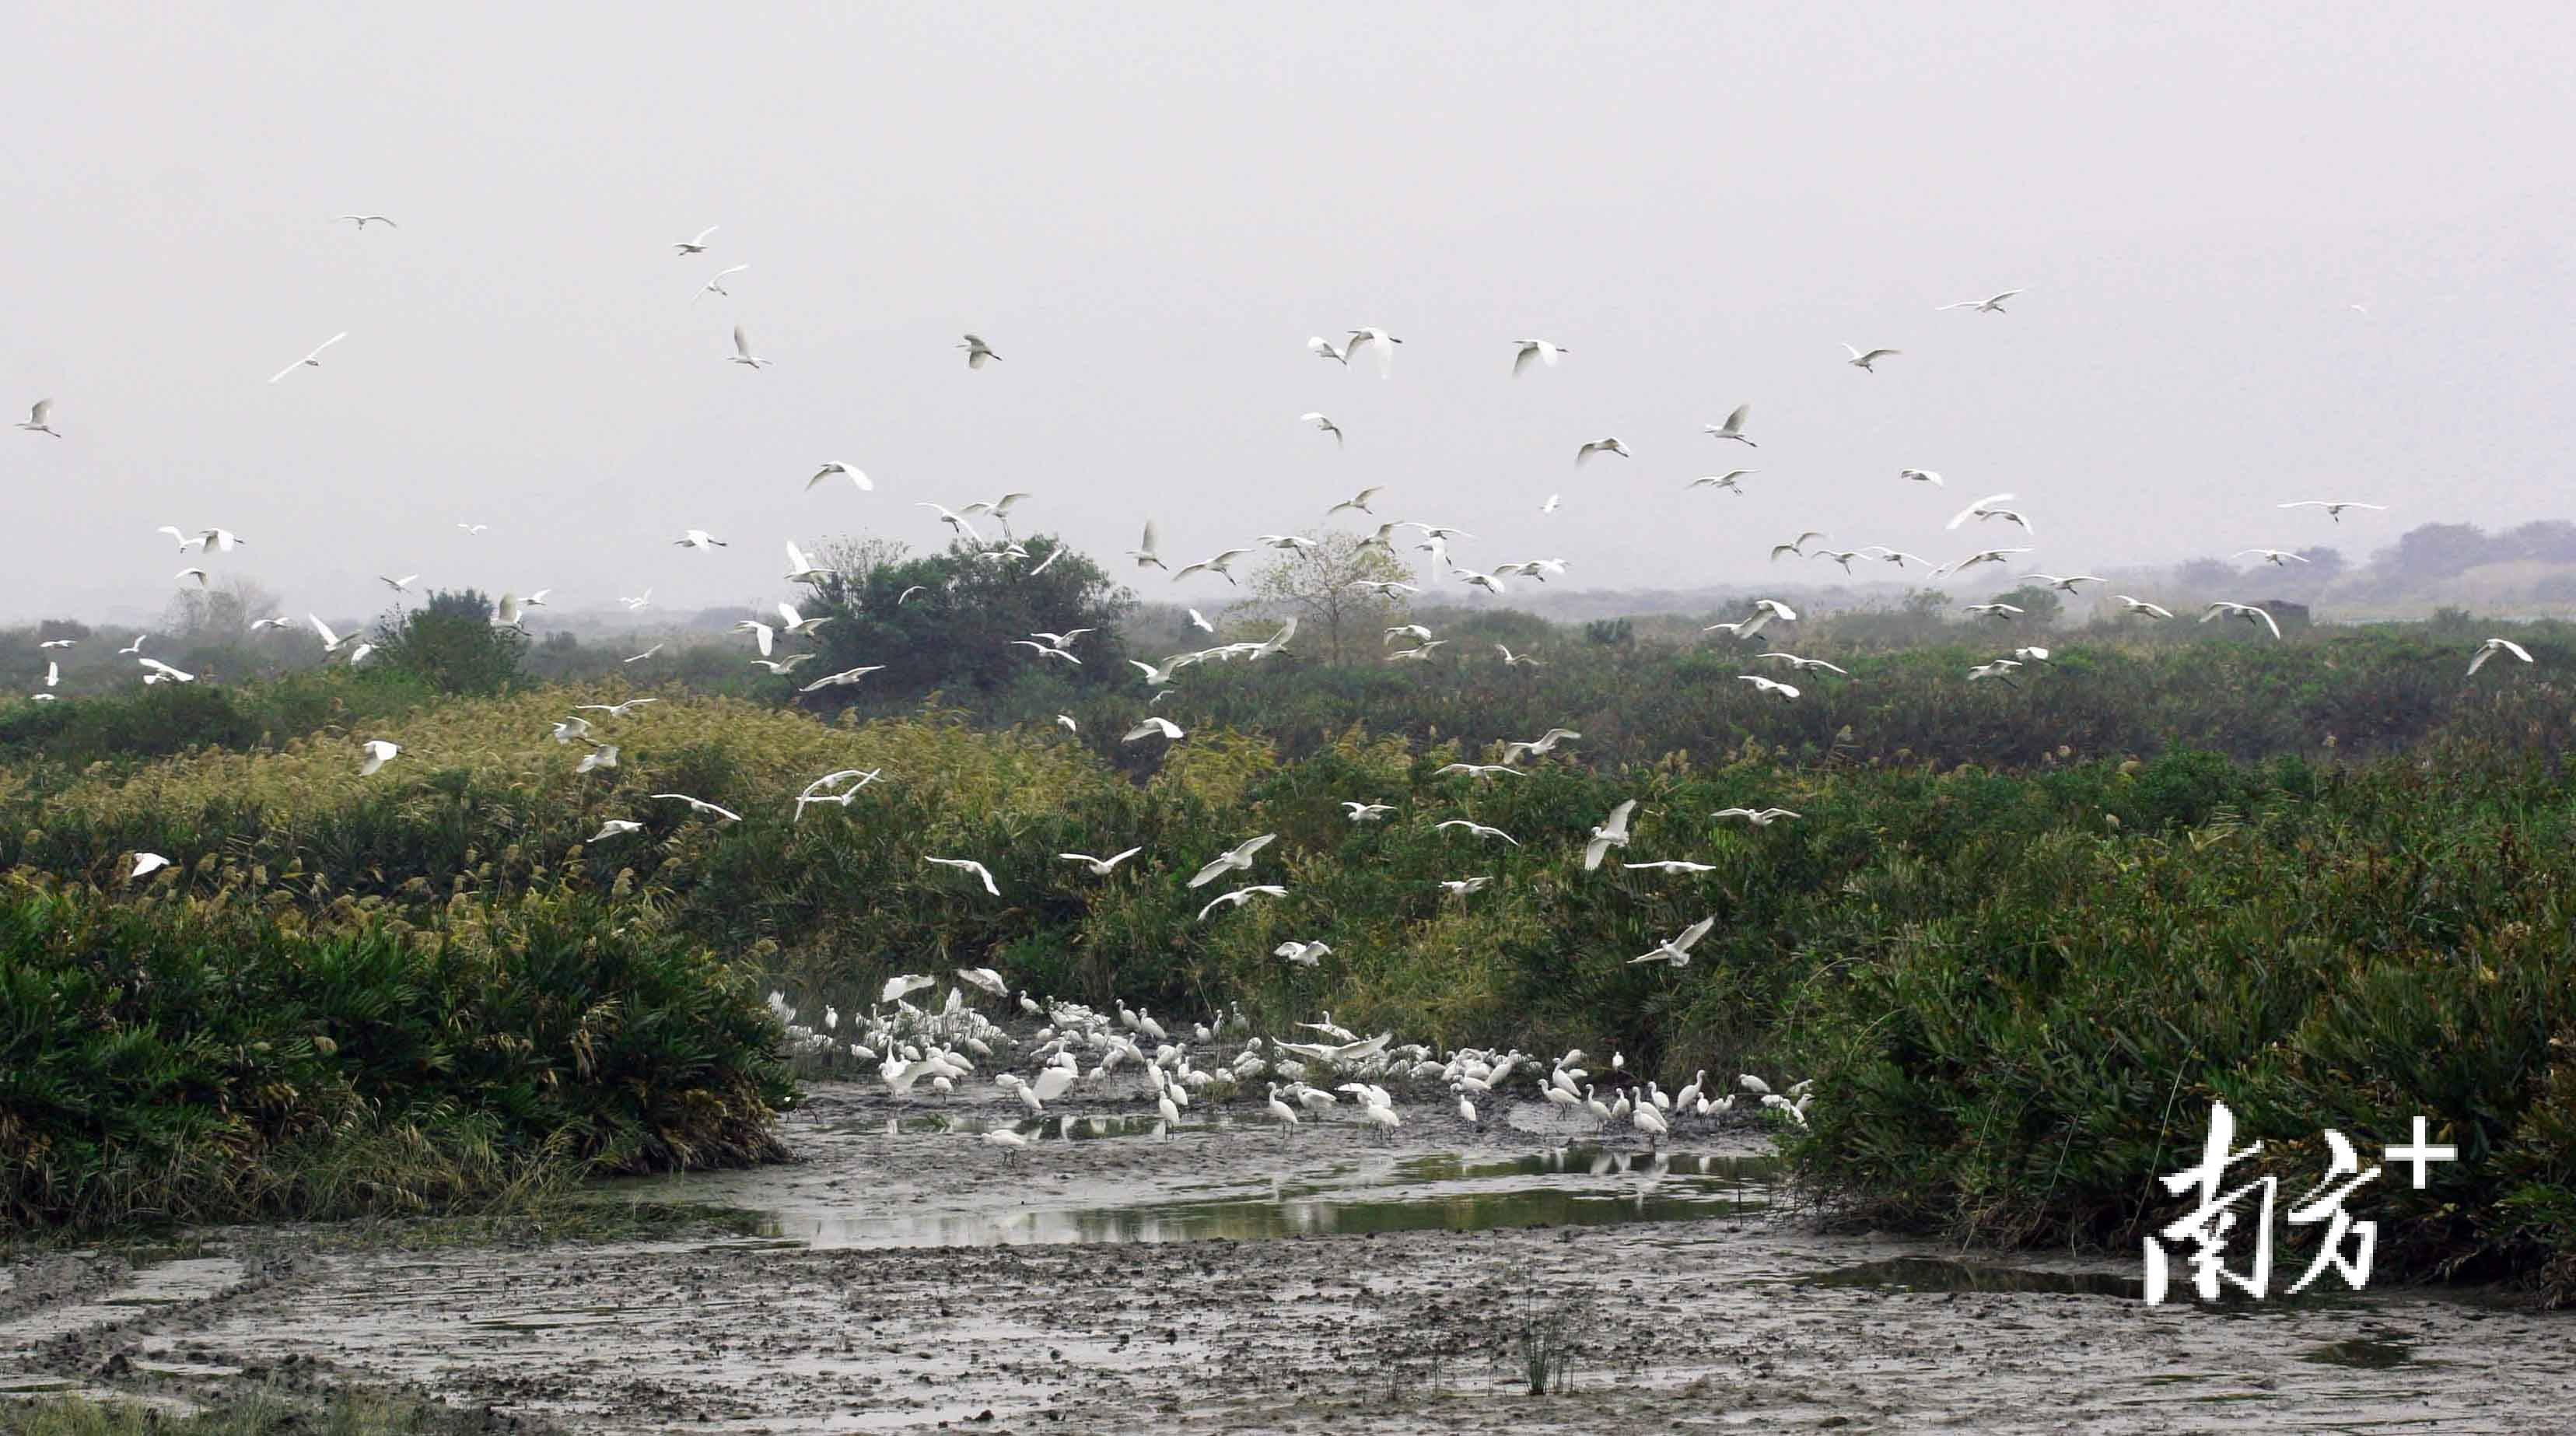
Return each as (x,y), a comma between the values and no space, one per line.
(1992,304)
(694,246)
(1733,428)
(978,353)
(2334,507)
(313,359)
(1863,362)
(39,416)
(2491,648)
(1538,349)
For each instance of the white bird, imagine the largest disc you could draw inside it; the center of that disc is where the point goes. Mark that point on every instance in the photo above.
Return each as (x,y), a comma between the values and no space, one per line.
(572,728)
(1803,664)
(698,539)
(2334,507)
(1358,501)
(133,648)
(1920,476)
(1992,304)
(2001,668)
(1602,446)
(1896,556)
(977,352)
(1995,556)
(1726,480)
(835,466)
(198,574)
(1669,865)
(1796,545)
(1170,730)
(2486,650)
(1479,829)
(1982,508)
(842,679)
(1239,897)
(399,585)
(1101,867)
(2000,612)
(472,529)
(969,865)
(1550,506)
(1649,1121)
(905,597)
(2067,583)
(163,672)
(1281,1112)
(716,285)
(1148,551)
(1366,812)
(2032,654)
(1863,361)
(1303,954)
(1769,687)
(1611,832)
(2251,613)
(698,805)
(1324,423)
(54,674)
(331,642)
(1322,348)
(1460,887)
(1544,744)
(1517,660)
(58,643)
(900,987)
(1385,588)
(742,352)
(1676,950)
(1733,428)
(379,753)
(313,359)
(1045,650)
(694,246)
(2140,605)
(621,710)
(1385,343)
(1477,770)
(39,415)
(603,756)
(1217,565)
(761,633)
(615,828)
(1758,817)
(1540,350)
(1233,860)
(2277,557)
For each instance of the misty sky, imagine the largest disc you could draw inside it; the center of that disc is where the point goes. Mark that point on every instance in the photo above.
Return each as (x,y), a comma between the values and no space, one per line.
(1147,208)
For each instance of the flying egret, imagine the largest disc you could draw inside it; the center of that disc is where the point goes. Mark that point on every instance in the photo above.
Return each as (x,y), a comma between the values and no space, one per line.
(1385,343)
(2140,605)
(2000,612)
(331,642)
(40,414)
(399,585)
(1804,664)
(1479,829)
(742,352)
(1988,507)
(1991,304)
(1796,545)
(2334,507)
(1602,446)
(312,359)
(1728,480)
(1240,896)
(1669,865)
(835,466)
(1862,362)
(2001,668)
(1322,348)
(2067,583)
(379,753)
(1358,501)
(716,284)
(1233,860)
(2251,613)
(603,756)
(1170,730)
(1101,867)
(622,710)
(1612,832)
(1538,349)
(163,672)
(1217,565)
(803,570)
(1366,812)
(198,574)
(1769,687)
(145,863)
(1733,428)
(1758,817)
(697,538)
(694,246)
(762,635)
(1324,423)
(1995,556)
(978,353)
(1147,553)
(1517,660)
(2276,557)
(842,679)
(1551,505)
(2491,648)
(698,805)
(1920,476)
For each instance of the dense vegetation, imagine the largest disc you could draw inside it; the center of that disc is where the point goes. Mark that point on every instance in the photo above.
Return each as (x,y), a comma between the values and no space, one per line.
(2020,935)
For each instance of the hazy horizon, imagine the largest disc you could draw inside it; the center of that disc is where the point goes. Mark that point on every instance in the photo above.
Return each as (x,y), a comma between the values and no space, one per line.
(1147,209)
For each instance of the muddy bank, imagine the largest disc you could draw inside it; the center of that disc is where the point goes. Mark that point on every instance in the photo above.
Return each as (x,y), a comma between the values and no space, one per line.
(1699,1307)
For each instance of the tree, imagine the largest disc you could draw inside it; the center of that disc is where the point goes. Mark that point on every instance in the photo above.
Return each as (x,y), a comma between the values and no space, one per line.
(958,630)
(1320,585)
(450,644)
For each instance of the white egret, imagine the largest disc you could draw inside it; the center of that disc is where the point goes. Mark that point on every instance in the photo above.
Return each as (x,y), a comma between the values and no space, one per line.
(1385,343)
(615,828)
(1675,950)
(379,753)
(1540,350)
(1733,428)
(1323,423)
(1233,860)
(742,352)
(2491,648)
(2067,583)
(163,672)
(835,466)
(603,756)
(310,360)
(2251,613)
(1991,304)
(1602,446)
(978,353)
(1322,348)
(1920,476)
(2140,605)
(40,414)
(1479,829)
(2000,612)
(842,679)
(1727,480)
(700,805)
(1669,865)
(619,710)
(1768,687)
(2334,507)
(1170,730)
(1366,812)
(1240,896)
(1758,817)
(147,863)
(1863,362)
(1101,867)
(694,246)
(970,866)
(2277,557)
(716,284)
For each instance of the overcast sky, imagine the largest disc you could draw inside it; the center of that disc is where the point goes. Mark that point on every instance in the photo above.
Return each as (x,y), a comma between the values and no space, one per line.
(1147,208)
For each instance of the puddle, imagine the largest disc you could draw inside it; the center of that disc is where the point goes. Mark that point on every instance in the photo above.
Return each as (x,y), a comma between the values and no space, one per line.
(1934,1274)
(2362,1351)
(1572,1186)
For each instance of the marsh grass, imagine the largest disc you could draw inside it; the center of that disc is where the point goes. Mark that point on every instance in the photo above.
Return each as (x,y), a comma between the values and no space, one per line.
(252,1411)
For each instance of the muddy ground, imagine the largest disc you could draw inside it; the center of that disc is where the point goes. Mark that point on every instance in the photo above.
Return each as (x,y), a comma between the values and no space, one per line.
(1221,1278)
